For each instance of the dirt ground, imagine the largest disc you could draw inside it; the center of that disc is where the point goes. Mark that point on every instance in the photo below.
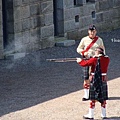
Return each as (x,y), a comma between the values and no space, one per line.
(33,89)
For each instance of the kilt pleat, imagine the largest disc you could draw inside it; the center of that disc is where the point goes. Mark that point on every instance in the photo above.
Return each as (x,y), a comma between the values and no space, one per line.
(92,94)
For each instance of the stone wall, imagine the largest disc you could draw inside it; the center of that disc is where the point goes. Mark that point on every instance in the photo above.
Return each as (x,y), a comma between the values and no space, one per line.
(107,14)
(30,23)
(103,13)
(33,25)
(1,32)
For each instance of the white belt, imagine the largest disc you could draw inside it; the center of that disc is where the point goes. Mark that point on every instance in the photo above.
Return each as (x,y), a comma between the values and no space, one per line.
(102,74)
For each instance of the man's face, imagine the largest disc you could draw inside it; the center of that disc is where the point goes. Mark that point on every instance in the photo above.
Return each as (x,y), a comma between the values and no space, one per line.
(97,52)
(92,33)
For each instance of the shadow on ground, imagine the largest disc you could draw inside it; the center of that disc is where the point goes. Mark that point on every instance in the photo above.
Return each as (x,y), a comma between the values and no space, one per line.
(113,118)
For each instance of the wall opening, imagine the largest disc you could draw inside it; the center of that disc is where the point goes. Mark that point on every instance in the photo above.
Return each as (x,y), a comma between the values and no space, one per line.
(87,0)
(93,14)
(8,24)
(77,18)
(75,2)
(4,14)
(58,18)
(79,2)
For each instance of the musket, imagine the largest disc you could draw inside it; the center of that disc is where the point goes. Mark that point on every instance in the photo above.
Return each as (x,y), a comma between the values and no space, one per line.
(62,60)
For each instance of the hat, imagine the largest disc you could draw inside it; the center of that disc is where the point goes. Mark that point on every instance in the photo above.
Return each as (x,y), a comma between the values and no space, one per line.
(92,27)
(100,50)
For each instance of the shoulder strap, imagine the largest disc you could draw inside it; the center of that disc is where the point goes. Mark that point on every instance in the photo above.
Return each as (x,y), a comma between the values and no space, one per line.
(90,45)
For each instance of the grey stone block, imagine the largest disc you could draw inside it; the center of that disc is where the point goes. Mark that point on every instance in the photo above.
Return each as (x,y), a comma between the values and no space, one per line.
(34,9)
(34,1)
(108,15)
(81,2)
(35,21)
(26,37)
(17,13)
(0,5)
(18,26)
(65,43)
(116,24)
(47,31)
(87,9)
(35,35)
(26,24)
(19,55)
(49,19)
(14,56)
(72,35)
(25,1)
(46,7)
(71,13)
(47,42)
(99,17)
(25,12)
(116,3)
(18,39)
(116,13)
(17,3)
(92,0)
(85,21)
(105,5)
(69,25)
(68,3)
(91,7)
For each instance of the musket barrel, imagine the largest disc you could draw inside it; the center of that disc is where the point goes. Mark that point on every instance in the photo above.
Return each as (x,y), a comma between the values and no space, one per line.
(62,60)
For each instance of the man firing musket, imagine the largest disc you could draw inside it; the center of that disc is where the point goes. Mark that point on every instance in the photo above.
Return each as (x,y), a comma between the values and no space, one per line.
(98,79)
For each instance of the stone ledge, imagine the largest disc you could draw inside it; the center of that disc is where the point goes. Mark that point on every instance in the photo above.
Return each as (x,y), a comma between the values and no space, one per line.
(15,56)
(65,43)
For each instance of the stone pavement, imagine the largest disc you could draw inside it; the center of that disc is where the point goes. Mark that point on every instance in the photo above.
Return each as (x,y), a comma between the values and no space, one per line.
(33,89)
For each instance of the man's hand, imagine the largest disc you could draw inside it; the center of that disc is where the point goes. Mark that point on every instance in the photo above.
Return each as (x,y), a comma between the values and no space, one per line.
(86,54)
(79,60)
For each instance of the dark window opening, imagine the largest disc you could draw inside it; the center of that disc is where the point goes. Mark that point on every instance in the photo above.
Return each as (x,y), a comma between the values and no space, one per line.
(75,2)
(93,15)
(79,2)
(4,14)
(77,18)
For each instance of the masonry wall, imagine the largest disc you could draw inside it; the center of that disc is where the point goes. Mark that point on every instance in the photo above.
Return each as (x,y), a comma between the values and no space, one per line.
(33,25)
(103,13)
(30,24)
(1,32)
(107,14)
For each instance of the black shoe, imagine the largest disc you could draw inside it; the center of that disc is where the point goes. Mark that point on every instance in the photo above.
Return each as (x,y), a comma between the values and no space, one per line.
(85,99)
(103,118)
(88,118)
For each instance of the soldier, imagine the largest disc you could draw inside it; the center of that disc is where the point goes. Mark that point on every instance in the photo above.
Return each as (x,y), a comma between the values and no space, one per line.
(86,48)
(98,82)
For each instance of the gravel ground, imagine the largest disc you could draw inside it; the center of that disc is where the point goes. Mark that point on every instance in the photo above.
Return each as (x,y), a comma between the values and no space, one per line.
(33,89)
